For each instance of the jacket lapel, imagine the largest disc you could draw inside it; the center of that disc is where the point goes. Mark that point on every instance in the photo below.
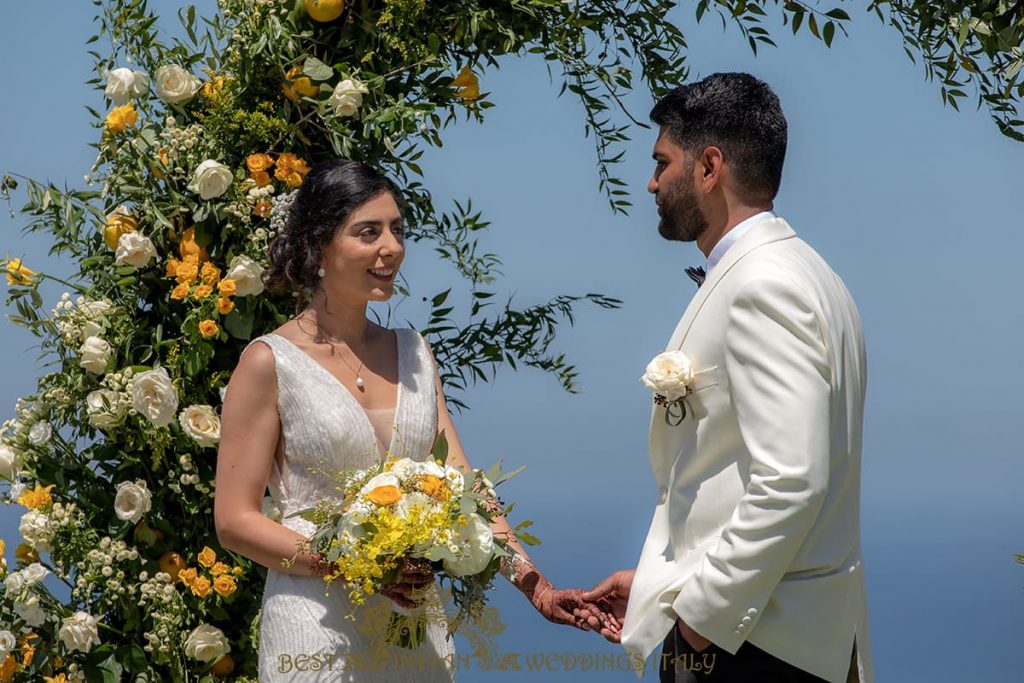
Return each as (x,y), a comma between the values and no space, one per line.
(664,441)
(769,230)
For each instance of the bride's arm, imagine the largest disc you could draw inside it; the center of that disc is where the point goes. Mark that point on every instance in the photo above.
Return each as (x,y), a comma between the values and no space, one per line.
(250,428)
(521,572)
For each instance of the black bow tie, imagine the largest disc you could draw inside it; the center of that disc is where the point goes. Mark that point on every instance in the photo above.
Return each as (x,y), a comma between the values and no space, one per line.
(696,274)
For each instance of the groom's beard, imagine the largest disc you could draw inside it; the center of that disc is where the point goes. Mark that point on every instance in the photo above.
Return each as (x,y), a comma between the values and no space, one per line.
(681,217)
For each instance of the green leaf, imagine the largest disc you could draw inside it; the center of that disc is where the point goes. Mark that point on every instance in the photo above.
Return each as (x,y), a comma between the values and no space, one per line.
(528,539)
(440,448)
(317,70)
(239,324)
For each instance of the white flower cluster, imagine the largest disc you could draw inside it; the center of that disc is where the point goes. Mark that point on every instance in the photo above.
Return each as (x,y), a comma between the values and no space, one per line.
(39,528)
(187,476)
(19,589)
(105,571)
(108,406)
(164,605)
(83,323)
(183,146)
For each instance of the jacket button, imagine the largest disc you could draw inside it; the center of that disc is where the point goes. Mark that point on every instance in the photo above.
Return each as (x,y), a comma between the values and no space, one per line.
(742,626)
(751,611)
(745,620)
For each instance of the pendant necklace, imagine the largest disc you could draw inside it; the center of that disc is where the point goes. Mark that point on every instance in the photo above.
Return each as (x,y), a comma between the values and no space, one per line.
(359,378)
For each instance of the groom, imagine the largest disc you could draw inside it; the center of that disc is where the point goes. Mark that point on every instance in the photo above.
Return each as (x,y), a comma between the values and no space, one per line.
(752,567)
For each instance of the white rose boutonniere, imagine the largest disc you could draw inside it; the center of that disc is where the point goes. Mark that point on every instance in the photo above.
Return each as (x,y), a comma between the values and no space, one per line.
(671,377)
(79,632)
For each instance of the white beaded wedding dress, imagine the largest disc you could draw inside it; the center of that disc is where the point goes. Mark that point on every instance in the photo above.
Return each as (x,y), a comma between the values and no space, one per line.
(304,635)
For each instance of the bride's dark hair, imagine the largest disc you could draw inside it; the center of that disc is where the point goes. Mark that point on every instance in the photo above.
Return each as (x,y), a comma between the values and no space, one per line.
(331,191)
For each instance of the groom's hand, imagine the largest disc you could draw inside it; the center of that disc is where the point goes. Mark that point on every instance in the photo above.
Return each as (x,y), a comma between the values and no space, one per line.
(612,595)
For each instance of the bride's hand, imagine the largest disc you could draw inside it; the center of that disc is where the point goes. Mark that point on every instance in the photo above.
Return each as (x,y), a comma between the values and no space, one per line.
(408,588)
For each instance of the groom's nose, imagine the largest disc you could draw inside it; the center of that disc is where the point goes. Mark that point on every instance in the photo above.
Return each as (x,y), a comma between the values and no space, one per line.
(652,185)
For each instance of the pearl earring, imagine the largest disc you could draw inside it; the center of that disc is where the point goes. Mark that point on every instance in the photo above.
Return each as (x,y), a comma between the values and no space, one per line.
(320,271)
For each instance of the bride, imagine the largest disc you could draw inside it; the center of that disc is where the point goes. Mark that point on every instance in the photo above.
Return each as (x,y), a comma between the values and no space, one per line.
(327,391)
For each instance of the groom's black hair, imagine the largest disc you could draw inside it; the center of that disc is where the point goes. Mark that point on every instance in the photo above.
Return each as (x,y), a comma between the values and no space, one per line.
(738,114)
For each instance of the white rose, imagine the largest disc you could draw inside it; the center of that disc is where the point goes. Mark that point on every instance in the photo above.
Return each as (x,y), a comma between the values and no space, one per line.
(95,310)
(211,179)
(476,547)
(124,84)
(669,375)
(40,433)
(35,529)
(104,408)
(415,499)
(79,632)
(175,85)
(31,611)
(247,275)
(95,353)
(202,424)
(132,501)
(10,462)
(154,396)
(405,469)
(7,643)
(34,573)
(206,643)
(134,249)
(347,97)
(14,584)
(91,329)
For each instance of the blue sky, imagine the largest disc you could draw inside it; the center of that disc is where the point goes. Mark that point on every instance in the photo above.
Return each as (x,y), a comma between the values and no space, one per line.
(915,205)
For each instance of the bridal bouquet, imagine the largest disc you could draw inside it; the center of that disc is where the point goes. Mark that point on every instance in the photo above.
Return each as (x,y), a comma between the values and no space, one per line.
(425,513)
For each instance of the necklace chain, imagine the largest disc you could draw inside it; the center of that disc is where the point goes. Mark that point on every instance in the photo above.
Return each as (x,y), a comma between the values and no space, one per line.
(359,378)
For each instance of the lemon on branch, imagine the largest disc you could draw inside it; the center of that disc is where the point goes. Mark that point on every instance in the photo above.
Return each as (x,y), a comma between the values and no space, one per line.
(325,10)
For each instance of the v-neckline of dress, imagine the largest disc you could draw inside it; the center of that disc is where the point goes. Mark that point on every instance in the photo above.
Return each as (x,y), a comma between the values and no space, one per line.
(367,422)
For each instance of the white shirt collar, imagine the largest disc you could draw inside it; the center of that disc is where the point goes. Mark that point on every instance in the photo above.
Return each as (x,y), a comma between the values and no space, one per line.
(729,238)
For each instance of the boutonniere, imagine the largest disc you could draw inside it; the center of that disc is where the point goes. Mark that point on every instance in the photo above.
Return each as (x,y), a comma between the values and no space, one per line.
(671,377)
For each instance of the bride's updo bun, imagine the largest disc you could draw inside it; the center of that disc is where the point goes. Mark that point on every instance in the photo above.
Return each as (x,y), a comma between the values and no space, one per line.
(331,191)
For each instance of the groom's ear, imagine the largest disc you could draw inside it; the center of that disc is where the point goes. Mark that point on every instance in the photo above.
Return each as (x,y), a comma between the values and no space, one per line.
(710,167)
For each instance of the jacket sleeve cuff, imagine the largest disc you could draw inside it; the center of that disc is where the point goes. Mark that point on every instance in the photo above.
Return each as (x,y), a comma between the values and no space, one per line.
(725,626)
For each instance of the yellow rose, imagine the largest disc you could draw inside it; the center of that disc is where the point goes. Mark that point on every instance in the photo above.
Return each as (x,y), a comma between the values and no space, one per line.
(172,267)
(3,560)
(290,169)
(201,587)
(172,563)
(18,274)
(384,495)
(202,291)
(121,118)
(258,162)
(188,576)
(207,556)
(208,328)
(7,668)
(227,287)
(180,292)
(188,245)
(188,270)
(118,223)
(261,178)
(213,87)
(219,568)
(210,274)
(224,585)
(237,571)
(434,487)
(37,499)
(468,85)
(296,85)
(225,306)
(26,554)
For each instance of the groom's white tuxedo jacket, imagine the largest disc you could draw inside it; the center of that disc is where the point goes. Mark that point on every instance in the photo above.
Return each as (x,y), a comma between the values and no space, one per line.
(756,533)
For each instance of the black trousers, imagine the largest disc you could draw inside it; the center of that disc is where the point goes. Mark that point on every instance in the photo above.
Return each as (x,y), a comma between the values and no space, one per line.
(680,663)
